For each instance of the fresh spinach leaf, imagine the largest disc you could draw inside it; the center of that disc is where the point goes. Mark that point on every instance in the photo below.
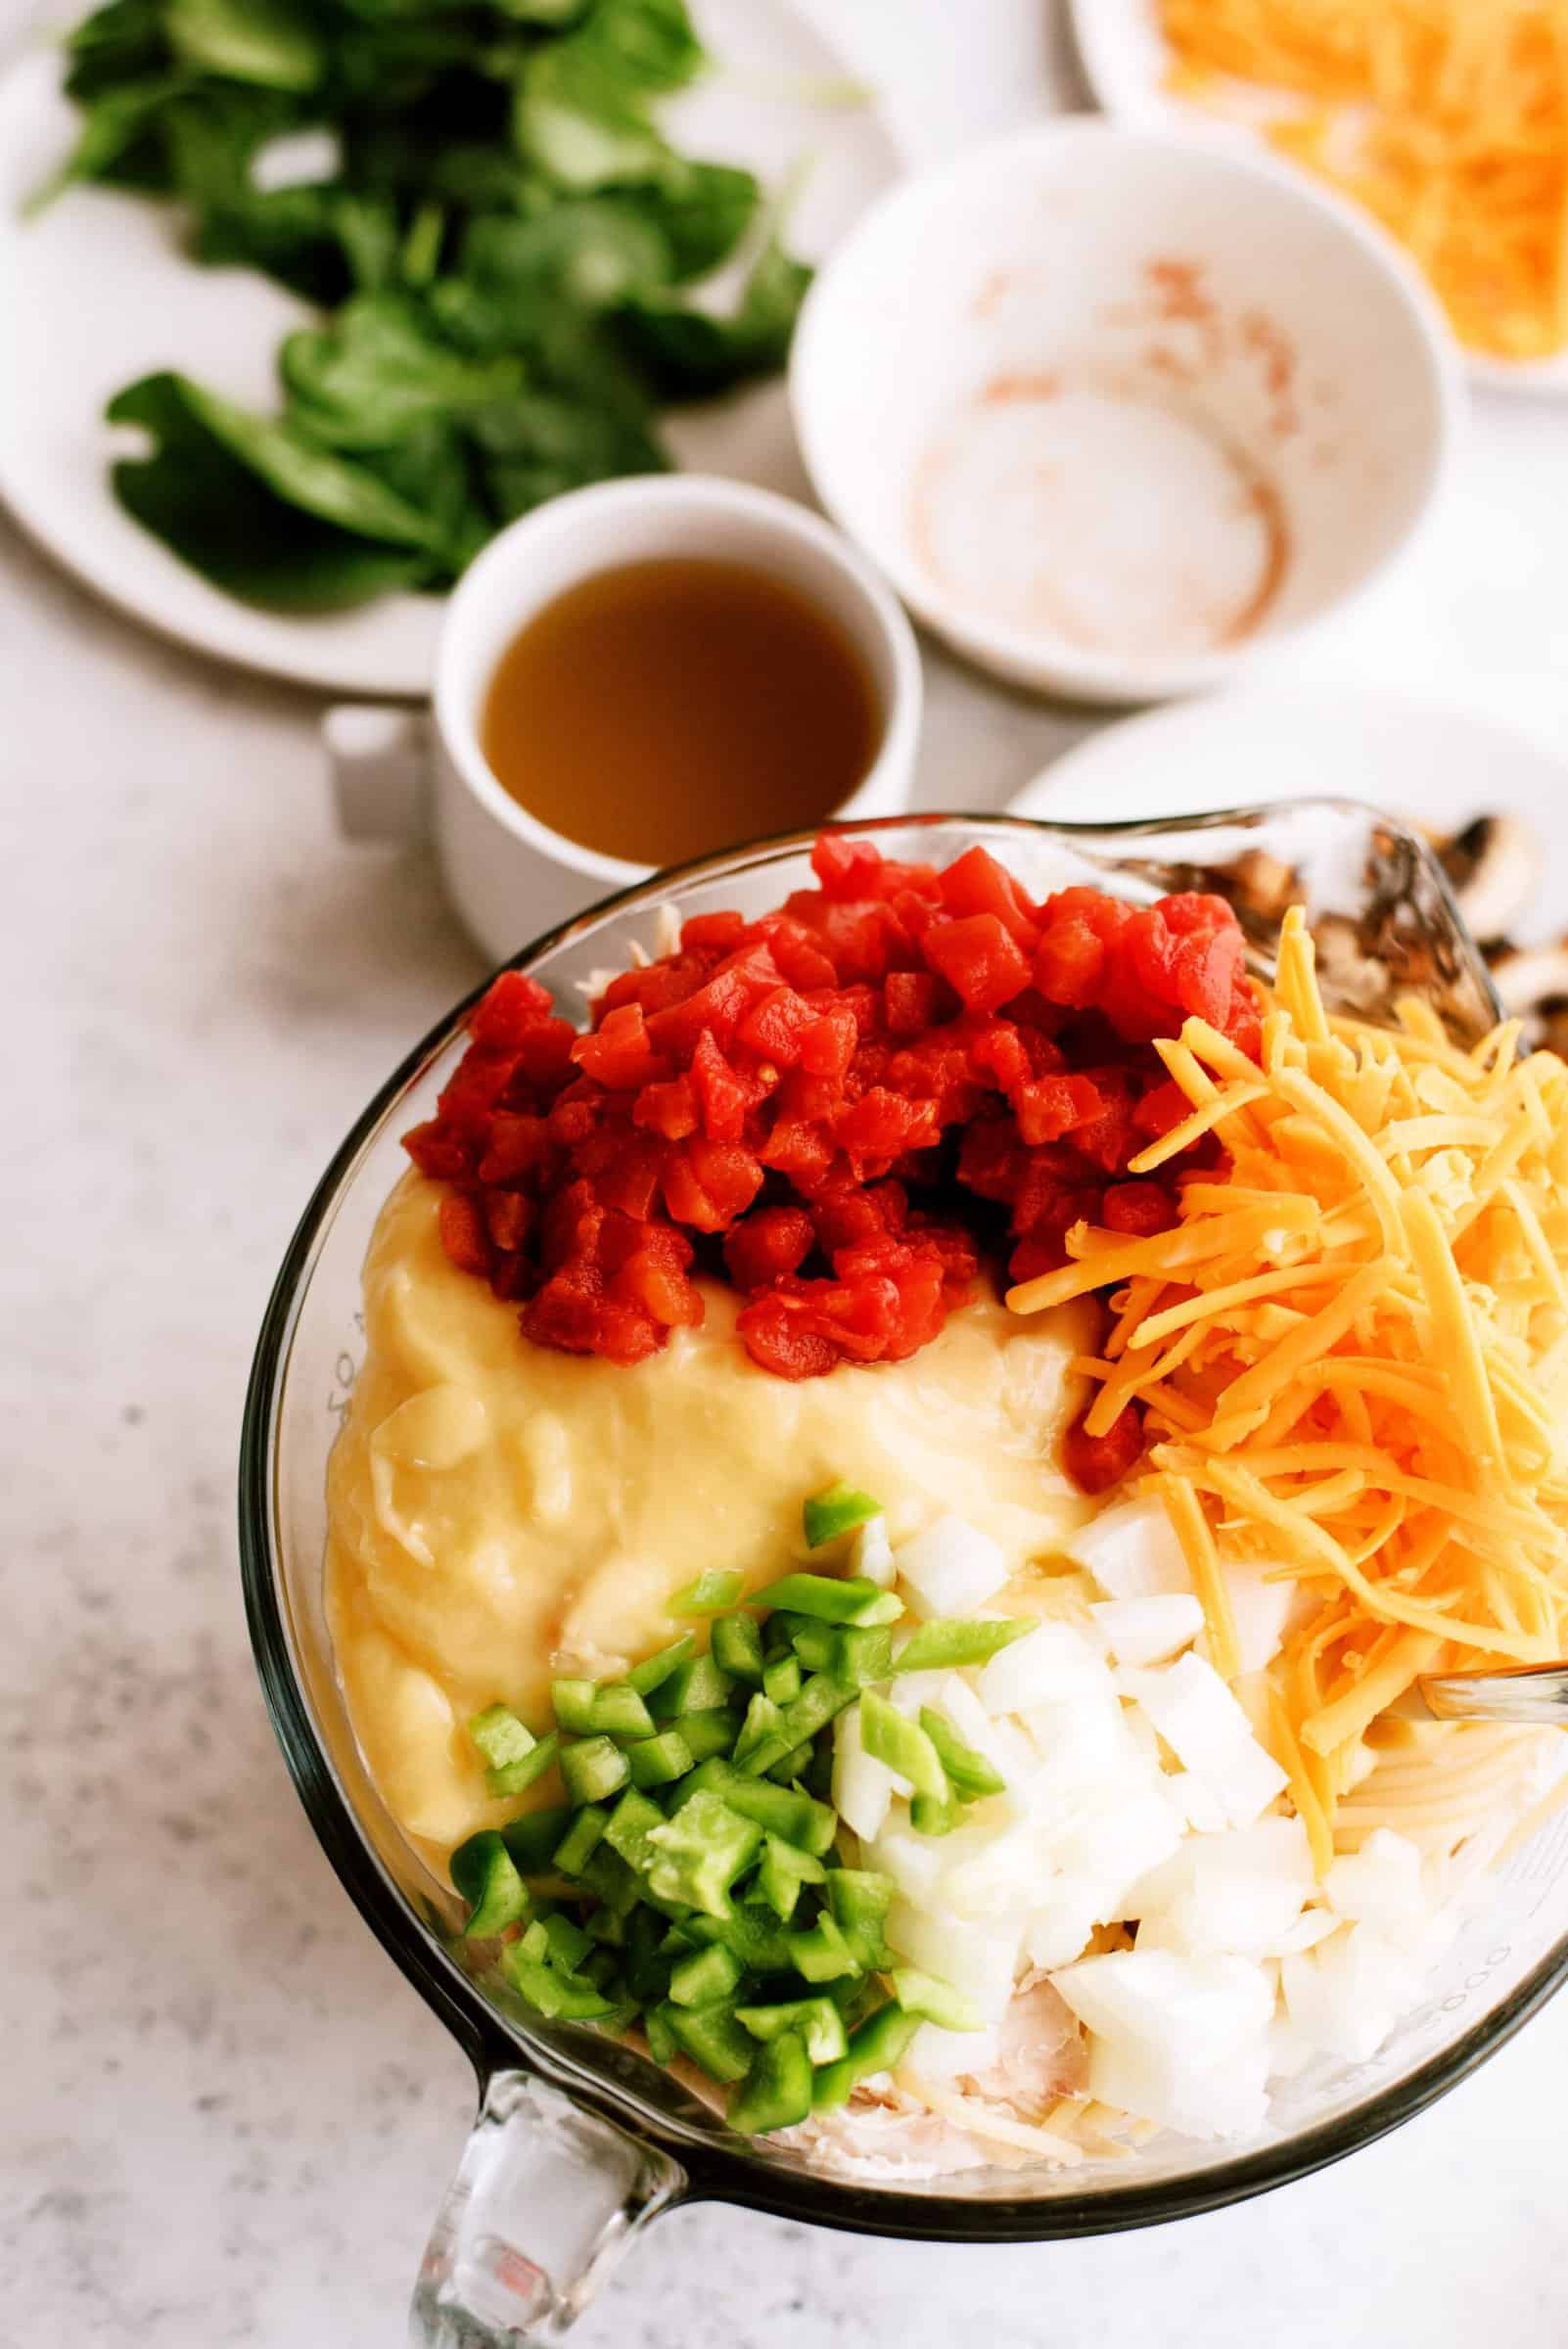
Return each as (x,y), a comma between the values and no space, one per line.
(433,469)
(322,241)
(700,210)
(275,42)
(594,251)
(540,445)
(579,124)
(241,524)
(123,42)
(378,371)
(212,132)
(690,354)
(116,125)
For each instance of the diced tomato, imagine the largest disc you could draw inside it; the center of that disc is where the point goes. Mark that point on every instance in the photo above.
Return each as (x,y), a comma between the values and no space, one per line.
(618,1054)
(849,1049)
(510,1006)
(978,884)
(768,1244)
(979,959)
(461,1224)
(1097,1463)
(1138,1209)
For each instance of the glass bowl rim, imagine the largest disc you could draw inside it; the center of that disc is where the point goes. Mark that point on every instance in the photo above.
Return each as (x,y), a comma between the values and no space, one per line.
(713,2170)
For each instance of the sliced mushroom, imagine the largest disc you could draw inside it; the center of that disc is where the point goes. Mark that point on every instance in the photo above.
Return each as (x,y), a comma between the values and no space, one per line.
(1354,979)
(1262,884)
(1531,981)
(1494,866)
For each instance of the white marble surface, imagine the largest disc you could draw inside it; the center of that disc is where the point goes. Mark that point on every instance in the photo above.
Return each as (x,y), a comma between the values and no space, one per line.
(224,2116)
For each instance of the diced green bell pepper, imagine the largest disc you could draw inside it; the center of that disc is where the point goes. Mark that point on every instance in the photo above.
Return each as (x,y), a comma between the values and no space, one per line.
(655,1670)
(707,1975)
(577,1845)
(837,1511)
(601,1708)
(708,1733)
(798,1722)
(712,1594)
(760,1726)
(513,1755)
(564,1998)
(594,1768)
(737,1648)
(695,1687)
(892,1737)
(663,2044)
(821,1954)
(532,1838)
(700,1851)
(566,1940)
(875,2046)
(659,1761)
(608,1877)
(573,1702)
(628,1827)
(970,1773)
(934,1814)
(797,1819)
(712,2037)
(859,1900)
(831,1599)
(947,1646)
(486,1874)
(776,2092)
(781,1682)
(818,2021)
(757,1939)
(934,2002)
(862,1654)
(781,1871)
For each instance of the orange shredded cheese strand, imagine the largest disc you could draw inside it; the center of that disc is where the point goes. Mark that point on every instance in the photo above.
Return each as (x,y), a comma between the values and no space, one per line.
(1196,1537)
(1365,1334)
(1448,119)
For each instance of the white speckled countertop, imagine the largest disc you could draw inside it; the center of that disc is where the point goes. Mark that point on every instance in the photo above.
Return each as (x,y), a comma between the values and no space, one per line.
(226,2117)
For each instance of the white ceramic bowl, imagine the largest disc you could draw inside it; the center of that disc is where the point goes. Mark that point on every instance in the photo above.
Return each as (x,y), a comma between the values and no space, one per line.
(1113,408)
(402,775)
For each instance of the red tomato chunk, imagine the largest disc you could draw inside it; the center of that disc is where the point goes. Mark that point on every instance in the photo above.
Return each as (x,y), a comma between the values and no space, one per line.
(841,1107)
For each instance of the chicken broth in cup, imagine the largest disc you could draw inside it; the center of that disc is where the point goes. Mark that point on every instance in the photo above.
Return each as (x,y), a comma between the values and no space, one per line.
(660,710)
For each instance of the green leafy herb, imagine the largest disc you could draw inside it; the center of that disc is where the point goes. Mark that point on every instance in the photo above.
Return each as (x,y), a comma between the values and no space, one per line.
(258,510)
(501,246)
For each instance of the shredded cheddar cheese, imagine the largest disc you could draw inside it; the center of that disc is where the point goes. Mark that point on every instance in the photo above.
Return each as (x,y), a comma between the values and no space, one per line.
(1353,1358)
(1445,119)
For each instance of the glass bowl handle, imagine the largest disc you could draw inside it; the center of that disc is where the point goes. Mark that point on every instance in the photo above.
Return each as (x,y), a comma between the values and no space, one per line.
(546,2198)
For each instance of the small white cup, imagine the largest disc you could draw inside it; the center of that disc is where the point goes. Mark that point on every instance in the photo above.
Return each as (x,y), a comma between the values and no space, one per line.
(410,776)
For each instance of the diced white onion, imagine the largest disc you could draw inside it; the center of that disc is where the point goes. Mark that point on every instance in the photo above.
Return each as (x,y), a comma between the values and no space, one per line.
(1148,1630)
(952,1568)
(1181,2041)
(979,1960)
(1382,1884)
(1131,1551)
(872,1554)
(1345,1996)
(1208,1732)
(1262,1611)
(863,1786)
(942,2056)
(1051,1661)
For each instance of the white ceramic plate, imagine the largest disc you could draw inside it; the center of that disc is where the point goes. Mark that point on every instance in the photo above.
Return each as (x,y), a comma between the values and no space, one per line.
(98,292)
(1433,766)
(1124,57)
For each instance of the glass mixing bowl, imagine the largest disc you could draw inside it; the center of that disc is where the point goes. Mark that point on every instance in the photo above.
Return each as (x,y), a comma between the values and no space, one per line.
(579,2141)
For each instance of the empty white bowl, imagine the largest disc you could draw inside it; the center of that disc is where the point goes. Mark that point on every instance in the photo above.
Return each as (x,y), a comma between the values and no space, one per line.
(1114,409)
